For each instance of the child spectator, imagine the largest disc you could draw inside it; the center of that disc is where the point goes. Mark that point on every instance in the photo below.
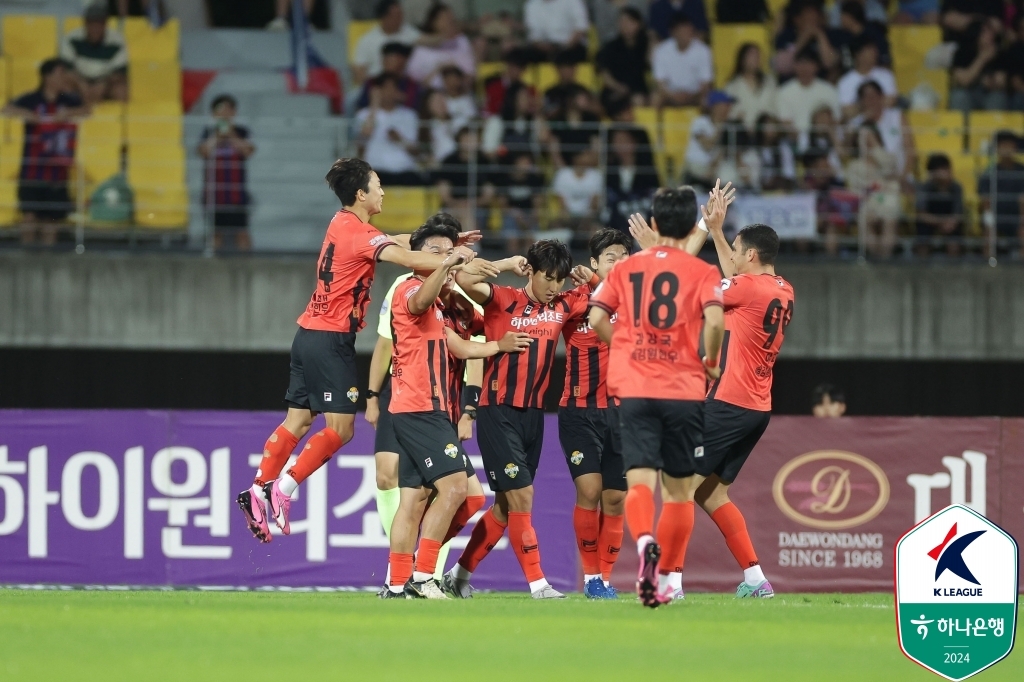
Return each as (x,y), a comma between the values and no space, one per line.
(520,196)
(940,207)
(226,146)
(753,89)
(578,189)
(389,135)
(623,64)
(826,136)
(682,66)
(99,57)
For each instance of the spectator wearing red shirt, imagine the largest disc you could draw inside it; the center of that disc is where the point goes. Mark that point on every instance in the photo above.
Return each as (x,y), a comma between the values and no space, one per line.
(226,146)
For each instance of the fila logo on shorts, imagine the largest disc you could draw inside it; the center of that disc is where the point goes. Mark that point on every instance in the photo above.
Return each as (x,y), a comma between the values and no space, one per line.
(327,397)
(698,451)
(428,462)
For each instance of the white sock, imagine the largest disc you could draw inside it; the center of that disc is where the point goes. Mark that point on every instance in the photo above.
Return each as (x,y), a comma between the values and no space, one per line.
(397,589)
(753,576)
(642,543)
(257,492)
(420,576)
(538,585)
(664,581)
(287,485)
(387,576)
(459,573)
(607,584)
(675,580)
(587,578)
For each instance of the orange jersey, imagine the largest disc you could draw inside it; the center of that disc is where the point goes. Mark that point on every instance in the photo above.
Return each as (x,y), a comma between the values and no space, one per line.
(420,363)
(586,364)
(465,321)
(521,379)
(344,275)
(660,295)
(758,309)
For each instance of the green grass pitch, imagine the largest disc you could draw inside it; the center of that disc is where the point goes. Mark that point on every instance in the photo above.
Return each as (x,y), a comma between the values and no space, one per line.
(190,635)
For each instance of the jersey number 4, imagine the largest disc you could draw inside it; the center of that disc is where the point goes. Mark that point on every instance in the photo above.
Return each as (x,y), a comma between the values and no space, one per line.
(662,311)
(776,319)
(323,270)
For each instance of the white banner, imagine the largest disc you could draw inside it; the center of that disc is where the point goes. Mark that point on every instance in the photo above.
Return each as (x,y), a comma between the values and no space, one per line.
(793,216)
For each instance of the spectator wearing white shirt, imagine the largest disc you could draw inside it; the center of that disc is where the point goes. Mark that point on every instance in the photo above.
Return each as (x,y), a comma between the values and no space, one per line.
(553,26)
(800,97)
(368,62)
(461,106)
(865,68)
(704,151)
(888,122)
(578,188)
(388,134)
(682,67)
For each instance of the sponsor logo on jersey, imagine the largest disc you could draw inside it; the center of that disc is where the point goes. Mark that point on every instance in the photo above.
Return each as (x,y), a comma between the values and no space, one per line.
(576,457)
(353,394)
(511,470)
(831,489)
(451,450)
(379,239)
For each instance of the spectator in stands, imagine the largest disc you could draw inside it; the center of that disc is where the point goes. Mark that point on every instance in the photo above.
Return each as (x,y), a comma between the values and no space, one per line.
(856,30)
(395,60)
(836,207)
(388,135)
(623,62)
(496,87)
(556,97)
(457,95)
(370,57)
(49,114)
(752,88)
(631,179)
(520,196)
(663,15)
(1008,184)
(683,67)
(873,175)
(1013,59)
(805,32)
(979,75)
(742,12)
(578,189)
(437,129)
(226,146)
(556,26)
(917,12)
(136,8)
(829,402)
(704,149)
(518,129)
(457,181)
(283,14)
(889,121)
(802,96)
(826,136)
(444,44)
(776,169)
(99,57)
(574,129)
(865,68)
(958,16)
(604,15)
(871,11)
(940,207)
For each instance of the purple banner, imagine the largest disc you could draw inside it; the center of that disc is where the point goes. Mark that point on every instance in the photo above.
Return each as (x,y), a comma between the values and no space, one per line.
(136,497)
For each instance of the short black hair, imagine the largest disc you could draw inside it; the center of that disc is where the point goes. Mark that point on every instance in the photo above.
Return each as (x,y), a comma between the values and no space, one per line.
(808,54)
(834,394)
(450,69)
(51,65)
(855,10)
(762,239)
(606,237)
(383,7)
(938,161)
(566,58)
(869,85)
(438,225)
(678,19)
(386,78)
(396,48)
(551,257)
(633,13)
(518,56)
(859,44)
(675,211)
(1006,136)
(347,177)
(223,99)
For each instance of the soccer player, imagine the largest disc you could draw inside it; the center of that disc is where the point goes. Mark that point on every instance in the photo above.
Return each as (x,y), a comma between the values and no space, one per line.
(431,461)
(662,296)
(511,412)
(323,358)
(590,435)
(758,308)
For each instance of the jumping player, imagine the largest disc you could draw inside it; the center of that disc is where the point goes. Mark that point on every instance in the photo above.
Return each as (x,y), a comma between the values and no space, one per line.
(590,435)
(662,296)
(511,412)
(323,359)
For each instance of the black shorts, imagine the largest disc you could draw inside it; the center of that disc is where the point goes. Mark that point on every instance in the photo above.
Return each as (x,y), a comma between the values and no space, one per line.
(510,440)
(662,434)
(323,372)
(730,434)
(47,200)
(385,440)
(587,442)
(428,448)
(231,219)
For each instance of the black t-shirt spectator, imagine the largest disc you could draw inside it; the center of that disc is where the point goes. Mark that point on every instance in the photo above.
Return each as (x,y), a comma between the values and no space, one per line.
(456,172)
(742,11)
(984,8)
(935,200)
(1012,59)
(573,138)
(1009,188)
(787,37)
(967,52)
(519,191)
(628,65)
(873,32)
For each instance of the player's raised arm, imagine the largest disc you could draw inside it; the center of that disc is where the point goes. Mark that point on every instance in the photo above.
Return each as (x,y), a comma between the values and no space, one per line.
(427,293)
(714,218)
(511,342)
(420,260)
(471,278)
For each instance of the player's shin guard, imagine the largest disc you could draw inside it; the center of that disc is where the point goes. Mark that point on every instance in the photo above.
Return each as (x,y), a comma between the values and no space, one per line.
(524,542)
(401,568)
(674,530)
(486,534)
(587,524)
(276,452)
(318,451)
(730,521)
(609,543)
(387,506)
(640,511)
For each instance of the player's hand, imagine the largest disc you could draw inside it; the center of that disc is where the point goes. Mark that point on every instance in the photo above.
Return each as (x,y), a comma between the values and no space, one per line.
(519,265)
(581,274)
(481,268)
(453,261)
(514,342)
(465,427)
(642,232)
(372,412)
(714,211)
(470,237)
(712,373)
(467,253)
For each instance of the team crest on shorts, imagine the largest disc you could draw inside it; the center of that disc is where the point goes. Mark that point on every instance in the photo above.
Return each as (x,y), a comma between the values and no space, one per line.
(451,450)
(576,457)
(698,451)
(511,470)
(353,394)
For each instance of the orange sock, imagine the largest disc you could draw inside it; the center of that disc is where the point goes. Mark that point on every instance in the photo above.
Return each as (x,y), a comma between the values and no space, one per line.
(640,511)
(609,543)
(524,543)
(426,556)
(486,534)
(587,524)
(674,530)
(401,567)
(276,452)
(318,451)
(730,521)
(463,514)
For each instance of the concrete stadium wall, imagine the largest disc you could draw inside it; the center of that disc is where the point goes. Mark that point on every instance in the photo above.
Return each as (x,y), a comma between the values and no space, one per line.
(250,304)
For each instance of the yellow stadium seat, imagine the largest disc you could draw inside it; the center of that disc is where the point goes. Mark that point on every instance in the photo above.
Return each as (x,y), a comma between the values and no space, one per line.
(164,206)
(29,36)
(405,208)
(146,44)
(8,202)
(776,7)
(593,43)
(151,165)
(909,77)
(911,43)
(100,141)
(936,131)
(153,122)
(13,132)
(544,76)
(22,75)
(675,122)
(10,161)
(154,82)
(98,161)
(5,93)
(983,125)
(649,119)
(726,41)
(356,30)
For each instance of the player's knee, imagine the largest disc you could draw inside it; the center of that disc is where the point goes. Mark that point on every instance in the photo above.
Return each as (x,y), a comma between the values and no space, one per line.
(453,489)
(520,500)
(588,493)
(386,480)
(613,502)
